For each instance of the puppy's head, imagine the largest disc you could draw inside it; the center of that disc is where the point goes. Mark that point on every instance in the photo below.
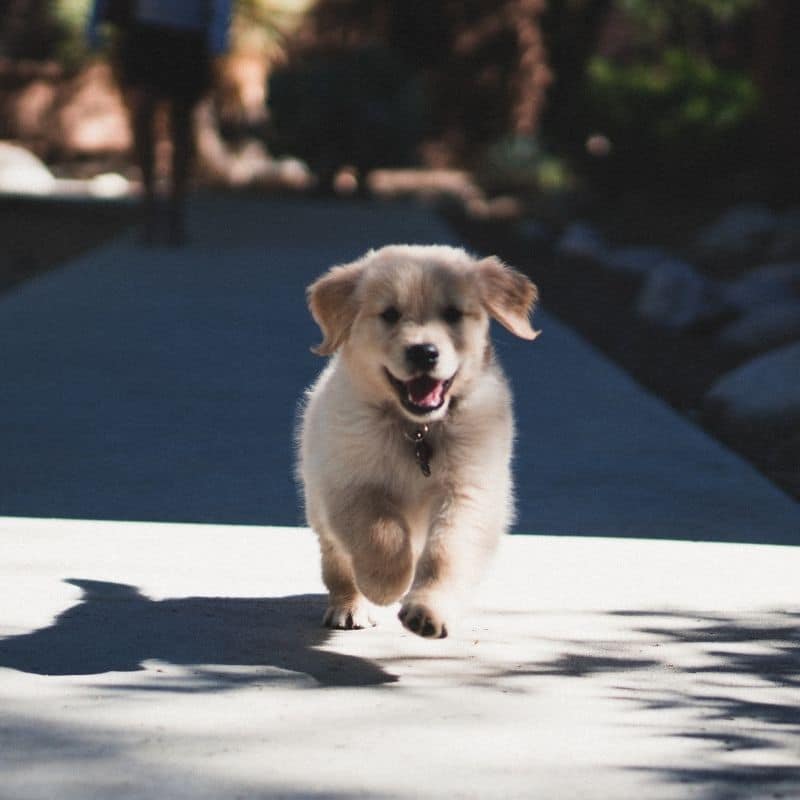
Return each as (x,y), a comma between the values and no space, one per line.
(412,322)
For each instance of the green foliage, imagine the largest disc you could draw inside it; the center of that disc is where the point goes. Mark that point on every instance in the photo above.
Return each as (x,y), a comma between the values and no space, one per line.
(519,163)
(658,16)
(688,24)
(72,14)
(669,89)
(679,97)
(679,114)
(70,17)
(264,25)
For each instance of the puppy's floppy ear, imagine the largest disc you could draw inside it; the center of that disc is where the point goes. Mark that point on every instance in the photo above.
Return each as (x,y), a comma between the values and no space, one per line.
(332,302)
(508,296)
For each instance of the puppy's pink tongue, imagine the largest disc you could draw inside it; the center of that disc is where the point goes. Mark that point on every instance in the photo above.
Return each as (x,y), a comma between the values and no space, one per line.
(425,391)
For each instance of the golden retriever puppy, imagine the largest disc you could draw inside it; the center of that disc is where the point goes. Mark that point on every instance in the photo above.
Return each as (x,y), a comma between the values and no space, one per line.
(405,438)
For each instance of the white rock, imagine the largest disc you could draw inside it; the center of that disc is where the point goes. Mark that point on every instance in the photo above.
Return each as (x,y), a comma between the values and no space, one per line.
(740,231)
(109,184)
(763,328)
(764,392)
(21,172)
(581,240)
(768,284)
(677,297)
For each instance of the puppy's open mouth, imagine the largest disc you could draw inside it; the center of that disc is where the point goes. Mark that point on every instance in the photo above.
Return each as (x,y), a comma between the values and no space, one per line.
(421,395)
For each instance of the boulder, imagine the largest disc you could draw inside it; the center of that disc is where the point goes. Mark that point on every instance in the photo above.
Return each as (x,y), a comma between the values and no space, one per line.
(786,241)
(761,395)
(582,241)
(675,296)
(764,327)
(637,262)
(767,284)
(109,184)
(742,231)
(21,172)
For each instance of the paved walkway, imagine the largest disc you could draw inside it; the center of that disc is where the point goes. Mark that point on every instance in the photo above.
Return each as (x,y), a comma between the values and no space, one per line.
(162,385)
(143,659)
(188,662)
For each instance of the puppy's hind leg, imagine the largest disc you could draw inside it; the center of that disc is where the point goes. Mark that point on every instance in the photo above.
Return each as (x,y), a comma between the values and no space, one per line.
(348,609)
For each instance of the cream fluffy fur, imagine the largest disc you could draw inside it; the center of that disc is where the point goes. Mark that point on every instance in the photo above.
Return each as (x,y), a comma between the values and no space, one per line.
(387,532)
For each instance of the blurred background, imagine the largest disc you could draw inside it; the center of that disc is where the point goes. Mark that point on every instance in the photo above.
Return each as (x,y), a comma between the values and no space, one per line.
(639,158)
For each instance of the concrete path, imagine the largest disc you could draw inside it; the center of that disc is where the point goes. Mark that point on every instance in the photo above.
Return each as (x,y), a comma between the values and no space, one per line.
(162,385)
(186,661)
(165,660)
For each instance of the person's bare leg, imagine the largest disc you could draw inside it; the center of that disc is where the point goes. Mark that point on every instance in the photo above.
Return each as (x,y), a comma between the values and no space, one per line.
(182,157)
(142,106)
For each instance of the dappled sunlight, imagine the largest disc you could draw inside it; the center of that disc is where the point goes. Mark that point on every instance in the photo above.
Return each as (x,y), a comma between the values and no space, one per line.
(726,687)
(698,697)
(540,684)
(94,754)
(392,183)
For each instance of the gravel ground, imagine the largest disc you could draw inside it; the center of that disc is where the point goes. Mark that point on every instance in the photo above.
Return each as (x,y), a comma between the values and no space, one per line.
(598,304)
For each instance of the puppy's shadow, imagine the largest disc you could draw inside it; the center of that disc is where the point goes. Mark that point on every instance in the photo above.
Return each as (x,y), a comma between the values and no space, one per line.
(115,628)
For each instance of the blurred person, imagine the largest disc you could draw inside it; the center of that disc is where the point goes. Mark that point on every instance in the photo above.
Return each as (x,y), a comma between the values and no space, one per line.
(163,55)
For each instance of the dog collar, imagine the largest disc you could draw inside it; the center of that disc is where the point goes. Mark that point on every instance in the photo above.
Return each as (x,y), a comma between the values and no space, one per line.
(422,448)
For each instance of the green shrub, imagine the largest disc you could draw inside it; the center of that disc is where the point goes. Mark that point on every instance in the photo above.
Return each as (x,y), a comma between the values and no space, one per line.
(679,115)
(70,17)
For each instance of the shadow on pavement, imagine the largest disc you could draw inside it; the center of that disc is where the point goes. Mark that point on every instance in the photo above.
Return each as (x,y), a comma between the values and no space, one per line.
(740,690)
(776,657)
(734,782)
(115,628)
(729,682)
(81,759)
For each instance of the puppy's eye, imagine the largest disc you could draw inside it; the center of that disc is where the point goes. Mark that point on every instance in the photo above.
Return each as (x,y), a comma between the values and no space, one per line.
(451,315)
(390,315)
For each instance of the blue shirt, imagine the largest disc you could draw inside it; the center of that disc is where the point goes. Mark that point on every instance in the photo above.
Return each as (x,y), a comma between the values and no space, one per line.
(211,16)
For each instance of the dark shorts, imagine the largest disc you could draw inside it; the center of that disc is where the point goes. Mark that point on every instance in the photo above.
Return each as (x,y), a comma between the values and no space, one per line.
(168,62)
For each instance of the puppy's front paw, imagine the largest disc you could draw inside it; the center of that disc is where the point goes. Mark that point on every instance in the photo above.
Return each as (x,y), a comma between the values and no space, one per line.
(348,616)
(423,619)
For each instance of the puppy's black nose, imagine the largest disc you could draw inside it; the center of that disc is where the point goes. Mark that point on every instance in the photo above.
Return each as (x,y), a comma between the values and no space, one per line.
(422,356)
